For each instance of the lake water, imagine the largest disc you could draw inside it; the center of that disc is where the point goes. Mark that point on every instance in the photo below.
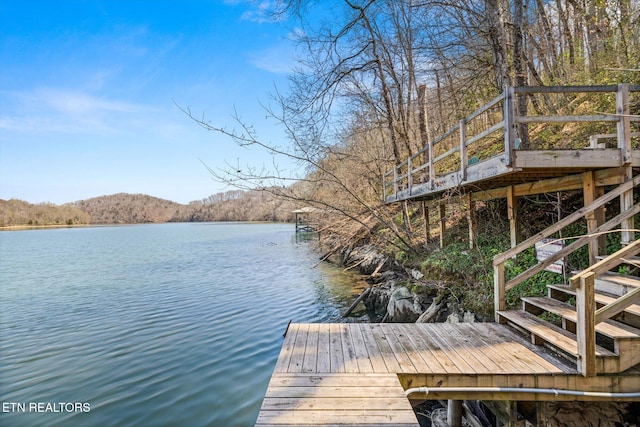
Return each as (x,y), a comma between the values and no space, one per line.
(152,325)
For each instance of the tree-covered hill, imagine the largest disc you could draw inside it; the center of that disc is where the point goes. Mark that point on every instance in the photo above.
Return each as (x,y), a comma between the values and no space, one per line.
(18,212)
(124,208)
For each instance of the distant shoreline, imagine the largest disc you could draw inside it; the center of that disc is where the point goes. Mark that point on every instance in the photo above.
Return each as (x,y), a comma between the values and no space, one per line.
(44,227)
(37,227)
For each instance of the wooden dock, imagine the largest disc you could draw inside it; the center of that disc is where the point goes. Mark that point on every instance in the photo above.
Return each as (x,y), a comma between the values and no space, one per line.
(355,373)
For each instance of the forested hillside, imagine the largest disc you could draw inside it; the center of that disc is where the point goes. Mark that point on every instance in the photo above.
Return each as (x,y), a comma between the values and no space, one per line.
(123,208)
(18,212)
(376,79)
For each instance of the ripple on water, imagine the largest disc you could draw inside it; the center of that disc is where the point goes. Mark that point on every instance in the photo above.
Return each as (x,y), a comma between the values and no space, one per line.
(172,324)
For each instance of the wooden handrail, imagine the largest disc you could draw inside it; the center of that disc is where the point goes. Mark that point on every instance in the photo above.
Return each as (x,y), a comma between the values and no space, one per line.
(612,260)
(501,258)
(572,248)
(617,306)
(500,284)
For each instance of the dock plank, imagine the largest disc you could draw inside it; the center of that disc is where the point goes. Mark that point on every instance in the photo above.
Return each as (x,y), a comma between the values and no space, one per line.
(282,365)
(377,360)
(413,350)
(362,355)
(335,349)
(310,360)
(499,351)
(385,349)
(520,352)
(435,352)
(336,399)
(324,349)
(400,353)
(449,351)
(348,349)
(470,344)
(297,356)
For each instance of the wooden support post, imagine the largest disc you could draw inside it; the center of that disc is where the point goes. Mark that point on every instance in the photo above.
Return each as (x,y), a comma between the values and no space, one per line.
(454,413)
(624,144)
(512,213)
(585,324)
(506,411)
(406,216)
(595,218)
(442,209)
(471,220)
(427,225)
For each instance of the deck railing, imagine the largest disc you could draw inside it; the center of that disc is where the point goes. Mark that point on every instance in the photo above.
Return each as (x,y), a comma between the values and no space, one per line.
(496,129)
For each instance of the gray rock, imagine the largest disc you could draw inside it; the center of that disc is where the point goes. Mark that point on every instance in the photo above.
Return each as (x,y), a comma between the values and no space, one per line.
(416,274)
(401,306)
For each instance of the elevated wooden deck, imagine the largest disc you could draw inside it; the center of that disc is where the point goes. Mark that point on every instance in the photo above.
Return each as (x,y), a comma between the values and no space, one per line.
(355,373)
(485,150)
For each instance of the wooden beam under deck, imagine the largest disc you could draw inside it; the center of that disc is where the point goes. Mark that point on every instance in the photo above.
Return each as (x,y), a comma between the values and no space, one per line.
(535,172)
(331,374)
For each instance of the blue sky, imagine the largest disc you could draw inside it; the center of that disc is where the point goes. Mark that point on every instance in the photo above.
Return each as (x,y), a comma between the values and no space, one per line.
(87,92)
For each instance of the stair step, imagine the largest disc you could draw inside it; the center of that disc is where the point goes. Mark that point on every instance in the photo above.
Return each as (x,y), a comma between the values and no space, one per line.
(548,332)
(610,328)
(616,284)
(630,315)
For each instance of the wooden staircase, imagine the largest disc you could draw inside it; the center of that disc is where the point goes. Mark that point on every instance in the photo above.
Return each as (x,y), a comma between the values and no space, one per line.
(595,320)
(617,340)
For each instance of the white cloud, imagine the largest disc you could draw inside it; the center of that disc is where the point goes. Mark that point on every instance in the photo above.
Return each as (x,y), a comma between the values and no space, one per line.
(52,110)
(265,11)
(77,102)
(277,59)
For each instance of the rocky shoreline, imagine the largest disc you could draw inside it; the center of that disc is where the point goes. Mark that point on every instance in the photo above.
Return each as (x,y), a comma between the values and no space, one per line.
(402,295)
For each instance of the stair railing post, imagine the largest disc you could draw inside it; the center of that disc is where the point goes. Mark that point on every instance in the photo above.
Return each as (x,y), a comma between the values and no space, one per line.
(585,323)
(624,122)
(431,169)
(384,188)
(410,173)
(395,181)
(463,150)
(624,144)
(498,289)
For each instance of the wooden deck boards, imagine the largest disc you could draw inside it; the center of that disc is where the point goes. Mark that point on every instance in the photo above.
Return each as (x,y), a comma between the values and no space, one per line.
(351,373)
(485,348)
(362,399)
